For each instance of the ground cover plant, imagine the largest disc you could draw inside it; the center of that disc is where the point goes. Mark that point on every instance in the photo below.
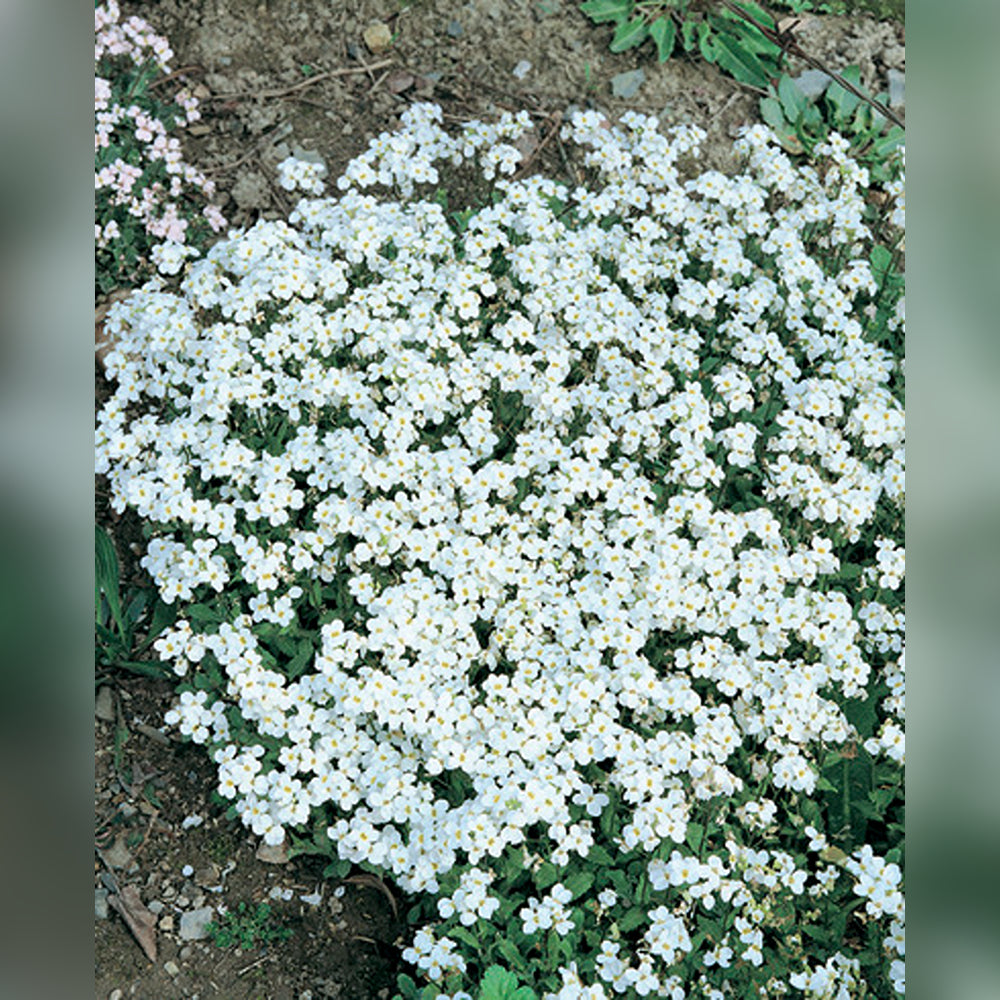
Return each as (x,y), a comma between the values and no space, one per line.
(150,206)
(547,556)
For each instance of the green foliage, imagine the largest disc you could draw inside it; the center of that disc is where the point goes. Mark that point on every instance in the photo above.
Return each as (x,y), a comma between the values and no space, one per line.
(716,34)
(247,928)
(801,123)
(120,619)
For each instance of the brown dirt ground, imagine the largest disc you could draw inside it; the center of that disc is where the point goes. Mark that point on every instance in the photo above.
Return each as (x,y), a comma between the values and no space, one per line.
(460,55)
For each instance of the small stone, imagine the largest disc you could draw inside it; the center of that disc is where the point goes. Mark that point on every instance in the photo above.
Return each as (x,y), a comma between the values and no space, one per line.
(101,904)
(897,88)
(104,706)
(194,924)
(522,69)
(118,855)
(626,85)
(377,37)
(171,969)
(273,854)
(116,995)
(454,29)
(155,906)
(894,56)
(186,952)
(167,923)
(813,82)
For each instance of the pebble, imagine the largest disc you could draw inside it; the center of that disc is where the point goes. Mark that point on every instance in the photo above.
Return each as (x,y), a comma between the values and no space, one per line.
(171,968)
(273,854)
(186,952)
(897,88)
(626,85)
(116,995)
(194,923)
(522,69)
(454,29)
(377,37)
(104,706)
(813,82)
(167,923)
(155,906)
(101,904)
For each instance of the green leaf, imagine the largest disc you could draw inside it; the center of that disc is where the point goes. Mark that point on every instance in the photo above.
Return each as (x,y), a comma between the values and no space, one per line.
(695,835)
(840,98)
(688,29)
(500,984)
(546,875)
(465,935)
(793,101)
(579,882)
(600,11)
(628,34)
(664,34)
(406,986)
(300,661)
(770,111)
(509,950)
(635,917)
(106,575)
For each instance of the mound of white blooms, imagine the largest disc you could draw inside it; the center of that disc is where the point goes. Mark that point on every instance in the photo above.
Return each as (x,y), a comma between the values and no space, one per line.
(566,487)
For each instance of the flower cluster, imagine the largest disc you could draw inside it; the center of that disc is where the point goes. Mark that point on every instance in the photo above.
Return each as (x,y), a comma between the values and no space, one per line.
(145,192)
(536,527)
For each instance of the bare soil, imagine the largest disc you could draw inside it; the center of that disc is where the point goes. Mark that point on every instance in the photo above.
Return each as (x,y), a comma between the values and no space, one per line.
(277,76)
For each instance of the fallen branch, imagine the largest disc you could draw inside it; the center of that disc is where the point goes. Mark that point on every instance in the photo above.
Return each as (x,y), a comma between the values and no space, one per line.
(345,71)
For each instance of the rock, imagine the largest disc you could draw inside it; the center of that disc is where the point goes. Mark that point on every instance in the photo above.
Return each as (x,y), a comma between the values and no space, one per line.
(171,969)
(194,923)
(251,191)
(166,923)
(626,85)
(813,82)
(894,56)
(118,855)
(273,854)
(101,904)
(897,88)
(104,706)
(454,29)
(116,995)
(377,37)
(155,906)
(522,69)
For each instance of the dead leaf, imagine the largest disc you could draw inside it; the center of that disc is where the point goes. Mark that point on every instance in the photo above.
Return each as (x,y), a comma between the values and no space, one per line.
(199,129)
(400,81)
(137,918)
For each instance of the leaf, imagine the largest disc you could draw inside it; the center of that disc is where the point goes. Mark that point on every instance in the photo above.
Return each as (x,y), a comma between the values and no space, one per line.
(634,918)
(770,111)
(695,835)
(499,984)
(546,875)
(833,855)
(664,34)
(300,661)
(106,576)
(600,11)
(137,918)
(840,98)
(579,882)
(793,101)
(629,34)
(688,34)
